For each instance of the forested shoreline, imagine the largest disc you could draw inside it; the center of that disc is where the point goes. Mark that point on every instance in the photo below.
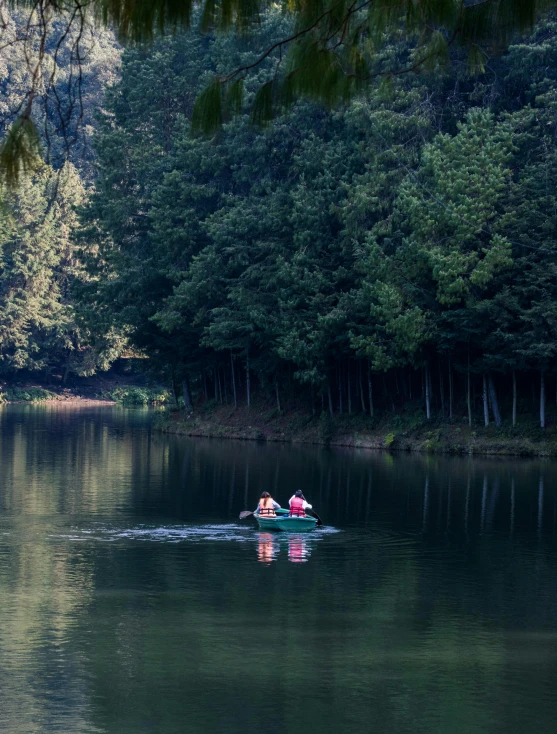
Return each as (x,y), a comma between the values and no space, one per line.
(393,259)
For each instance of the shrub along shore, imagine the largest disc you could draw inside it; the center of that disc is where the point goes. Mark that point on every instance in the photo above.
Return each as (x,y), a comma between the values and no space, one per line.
(91,391)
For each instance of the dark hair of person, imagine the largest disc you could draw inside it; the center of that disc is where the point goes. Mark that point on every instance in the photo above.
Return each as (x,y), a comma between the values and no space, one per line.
(264,495)
(298,493)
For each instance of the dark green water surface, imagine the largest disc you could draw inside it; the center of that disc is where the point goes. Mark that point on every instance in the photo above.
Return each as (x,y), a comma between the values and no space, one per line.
(134,600)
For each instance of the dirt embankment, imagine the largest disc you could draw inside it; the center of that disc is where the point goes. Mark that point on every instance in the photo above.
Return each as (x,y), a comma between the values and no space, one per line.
(394,433)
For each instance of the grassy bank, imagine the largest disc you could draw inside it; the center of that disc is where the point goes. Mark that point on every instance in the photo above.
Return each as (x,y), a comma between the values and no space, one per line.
(405,432)
(99,388)
(32,394)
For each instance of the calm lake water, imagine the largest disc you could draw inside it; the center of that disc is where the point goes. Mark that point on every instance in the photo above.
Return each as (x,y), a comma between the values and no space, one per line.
(134,600)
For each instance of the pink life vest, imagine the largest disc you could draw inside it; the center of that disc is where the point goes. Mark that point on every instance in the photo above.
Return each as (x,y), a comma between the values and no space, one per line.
(297,507)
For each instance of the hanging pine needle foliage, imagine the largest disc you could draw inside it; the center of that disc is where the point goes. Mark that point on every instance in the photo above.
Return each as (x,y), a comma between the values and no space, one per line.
(331,54)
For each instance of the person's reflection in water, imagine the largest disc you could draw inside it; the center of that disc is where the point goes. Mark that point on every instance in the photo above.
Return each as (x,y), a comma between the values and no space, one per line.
(266,549)
(298,548)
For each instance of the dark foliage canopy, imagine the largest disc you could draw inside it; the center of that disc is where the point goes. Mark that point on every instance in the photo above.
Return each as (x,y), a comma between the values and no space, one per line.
(393,234)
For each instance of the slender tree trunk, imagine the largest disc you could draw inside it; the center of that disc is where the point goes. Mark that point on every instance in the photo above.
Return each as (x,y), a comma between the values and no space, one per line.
(362,388)
(369,389)
(468,399)
(450,391)
(340,387)
(215,384)
(442,391)
(330,396)
(205,388)
(219,384)
(469,392)
(427,393)
(494,401)
(224,385)
(277,394)
(484,393)
(387,393)
(542,399)
(404,385)
(514,398)
(540,505)
(430,381)
(233,380)
(248,381)
(174,388)
(188,404)
(349,386)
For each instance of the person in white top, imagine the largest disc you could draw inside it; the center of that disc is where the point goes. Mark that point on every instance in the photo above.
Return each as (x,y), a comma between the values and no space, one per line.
(298,504)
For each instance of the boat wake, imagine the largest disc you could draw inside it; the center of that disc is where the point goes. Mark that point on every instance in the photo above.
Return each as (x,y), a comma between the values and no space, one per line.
(173,534)
(165,534)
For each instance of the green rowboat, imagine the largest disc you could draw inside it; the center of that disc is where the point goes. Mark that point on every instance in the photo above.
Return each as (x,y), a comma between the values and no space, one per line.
(283,521)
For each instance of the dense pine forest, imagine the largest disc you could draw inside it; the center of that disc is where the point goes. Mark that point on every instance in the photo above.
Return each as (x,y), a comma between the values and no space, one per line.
(395,255)
(44,328)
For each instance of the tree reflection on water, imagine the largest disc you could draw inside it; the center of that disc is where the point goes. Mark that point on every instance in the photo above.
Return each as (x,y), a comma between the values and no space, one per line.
(429,600)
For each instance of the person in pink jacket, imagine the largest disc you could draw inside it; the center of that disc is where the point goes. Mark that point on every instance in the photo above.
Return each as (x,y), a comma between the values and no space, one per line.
(298,504)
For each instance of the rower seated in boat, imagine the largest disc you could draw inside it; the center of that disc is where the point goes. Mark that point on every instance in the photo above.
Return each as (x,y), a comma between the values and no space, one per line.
(298,504)
(266,506)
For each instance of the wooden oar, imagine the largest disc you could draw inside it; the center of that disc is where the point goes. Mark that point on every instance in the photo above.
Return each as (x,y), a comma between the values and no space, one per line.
(319,520)
(244,514)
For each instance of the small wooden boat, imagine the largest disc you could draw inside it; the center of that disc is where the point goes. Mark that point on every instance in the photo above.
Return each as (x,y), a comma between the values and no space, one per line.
(287,523)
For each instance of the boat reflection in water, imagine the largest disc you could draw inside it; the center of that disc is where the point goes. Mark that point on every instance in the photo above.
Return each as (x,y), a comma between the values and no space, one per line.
(298,548)
(269,545)
(267,549)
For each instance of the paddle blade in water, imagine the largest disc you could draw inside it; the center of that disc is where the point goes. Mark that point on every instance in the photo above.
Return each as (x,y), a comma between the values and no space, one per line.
(316,516)
(245,513)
